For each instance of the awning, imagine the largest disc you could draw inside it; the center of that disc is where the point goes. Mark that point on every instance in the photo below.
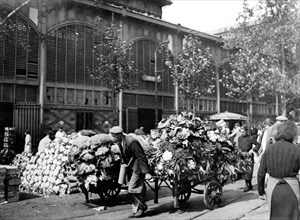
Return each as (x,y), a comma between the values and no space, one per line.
(228,116)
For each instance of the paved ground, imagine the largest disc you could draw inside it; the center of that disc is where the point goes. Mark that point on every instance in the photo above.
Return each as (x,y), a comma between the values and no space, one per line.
(236,205)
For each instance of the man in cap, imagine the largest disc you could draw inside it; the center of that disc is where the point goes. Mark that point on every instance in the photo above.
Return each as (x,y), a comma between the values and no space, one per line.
(133,154)
(60,133)
(269,133)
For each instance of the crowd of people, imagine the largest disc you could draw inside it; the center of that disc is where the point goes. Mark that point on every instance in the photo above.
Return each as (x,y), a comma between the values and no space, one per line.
(273,146)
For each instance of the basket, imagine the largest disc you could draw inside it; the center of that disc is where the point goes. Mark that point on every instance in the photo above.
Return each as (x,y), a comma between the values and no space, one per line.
(122,174)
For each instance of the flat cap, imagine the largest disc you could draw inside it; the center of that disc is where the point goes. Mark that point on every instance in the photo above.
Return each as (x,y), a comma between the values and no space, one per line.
(116,130)
(281,118)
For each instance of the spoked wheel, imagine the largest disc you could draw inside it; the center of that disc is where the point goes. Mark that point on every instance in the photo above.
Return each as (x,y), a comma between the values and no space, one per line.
(113,189)
(213,194)
(184,189)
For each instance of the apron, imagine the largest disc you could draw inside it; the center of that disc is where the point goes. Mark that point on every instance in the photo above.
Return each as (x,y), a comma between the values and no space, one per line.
(272,182)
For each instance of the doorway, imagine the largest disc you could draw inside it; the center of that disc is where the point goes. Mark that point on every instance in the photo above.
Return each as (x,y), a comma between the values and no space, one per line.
(146,118)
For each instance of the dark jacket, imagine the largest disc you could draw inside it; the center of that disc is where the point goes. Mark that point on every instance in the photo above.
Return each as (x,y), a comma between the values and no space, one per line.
(245,143)
(133,149)
(280,160)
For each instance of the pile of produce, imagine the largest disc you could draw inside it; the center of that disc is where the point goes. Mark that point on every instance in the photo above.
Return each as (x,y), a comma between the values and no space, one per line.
(95,158)
(6,156)
(45,173)
(68,162)
(187,147)
(145,141)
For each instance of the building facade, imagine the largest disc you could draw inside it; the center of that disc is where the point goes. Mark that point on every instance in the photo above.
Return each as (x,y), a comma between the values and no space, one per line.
(45,56)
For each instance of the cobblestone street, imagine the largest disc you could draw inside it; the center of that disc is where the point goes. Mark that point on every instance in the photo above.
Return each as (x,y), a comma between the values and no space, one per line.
(236,204)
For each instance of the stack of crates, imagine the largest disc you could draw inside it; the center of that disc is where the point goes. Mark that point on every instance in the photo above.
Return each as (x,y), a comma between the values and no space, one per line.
(10,183)
(9,140)
(9,146)
(13,182)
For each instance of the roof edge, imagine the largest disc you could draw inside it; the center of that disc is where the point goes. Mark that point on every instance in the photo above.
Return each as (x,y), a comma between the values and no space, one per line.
(133,14)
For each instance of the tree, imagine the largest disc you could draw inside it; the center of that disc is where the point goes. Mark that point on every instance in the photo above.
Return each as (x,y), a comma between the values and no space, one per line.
(113,68)
(7,23)
(196,75)
(265,40)
(246,77)
(13,12)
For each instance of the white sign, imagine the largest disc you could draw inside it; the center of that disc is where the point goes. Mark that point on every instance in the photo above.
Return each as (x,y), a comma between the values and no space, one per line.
(150,78)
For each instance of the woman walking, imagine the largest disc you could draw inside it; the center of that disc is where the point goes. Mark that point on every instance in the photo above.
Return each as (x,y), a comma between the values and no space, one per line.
(281,161)
(245,145)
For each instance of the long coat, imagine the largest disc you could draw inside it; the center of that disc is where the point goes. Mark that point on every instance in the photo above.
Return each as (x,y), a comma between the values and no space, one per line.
(135,155)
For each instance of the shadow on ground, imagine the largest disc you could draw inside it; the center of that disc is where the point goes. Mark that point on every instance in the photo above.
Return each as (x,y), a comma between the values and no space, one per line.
(25,196)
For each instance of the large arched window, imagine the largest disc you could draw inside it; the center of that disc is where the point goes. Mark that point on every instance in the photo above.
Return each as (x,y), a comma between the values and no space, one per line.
(144,50)
(19,46)
(19,50)
(69,53)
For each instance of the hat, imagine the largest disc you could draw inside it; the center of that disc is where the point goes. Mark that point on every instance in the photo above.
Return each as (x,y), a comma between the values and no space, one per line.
(61,124)
(281,118)
(116,130)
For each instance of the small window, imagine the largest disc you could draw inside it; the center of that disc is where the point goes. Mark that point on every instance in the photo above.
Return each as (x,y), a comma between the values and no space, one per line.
(200,104)
(8,93)
(31,94)
(20,93)
(205,105)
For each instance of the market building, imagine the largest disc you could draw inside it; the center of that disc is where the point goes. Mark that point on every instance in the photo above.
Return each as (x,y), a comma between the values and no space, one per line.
(44,60)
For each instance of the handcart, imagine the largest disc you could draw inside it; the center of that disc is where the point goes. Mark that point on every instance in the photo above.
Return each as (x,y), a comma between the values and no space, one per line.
(182,189)
(107,187)
(110,187)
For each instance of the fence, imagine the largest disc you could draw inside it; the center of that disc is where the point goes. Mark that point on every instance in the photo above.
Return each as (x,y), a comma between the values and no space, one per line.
(27,117)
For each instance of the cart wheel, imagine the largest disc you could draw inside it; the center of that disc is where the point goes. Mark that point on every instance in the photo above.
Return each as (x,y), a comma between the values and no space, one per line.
(184,189)
(113,189)
(213,194)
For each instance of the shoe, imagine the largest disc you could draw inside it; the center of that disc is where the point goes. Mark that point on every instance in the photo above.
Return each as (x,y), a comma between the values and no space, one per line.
(140,213)
(246,189)
(250,186)
(132,215)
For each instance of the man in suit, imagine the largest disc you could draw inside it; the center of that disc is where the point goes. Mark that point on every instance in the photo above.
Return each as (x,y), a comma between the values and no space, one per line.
(134,156)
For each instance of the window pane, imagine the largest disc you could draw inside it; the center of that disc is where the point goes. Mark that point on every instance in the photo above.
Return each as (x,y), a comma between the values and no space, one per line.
(9,92)
(61,55)
(21,45)
(31,94)
(71,54)
(20,93)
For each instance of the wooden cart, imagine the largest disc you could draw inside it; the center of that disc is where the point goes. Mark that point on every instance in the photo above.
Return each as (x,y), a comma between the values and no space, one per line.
(108,187)
(182,189)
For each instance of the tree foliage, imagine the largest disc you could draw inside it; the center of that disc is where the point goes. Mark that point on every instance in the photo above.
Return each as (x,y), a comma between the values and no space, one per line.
(3,20)
(195,77)
(265,50)
(245,76)
(113,67)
